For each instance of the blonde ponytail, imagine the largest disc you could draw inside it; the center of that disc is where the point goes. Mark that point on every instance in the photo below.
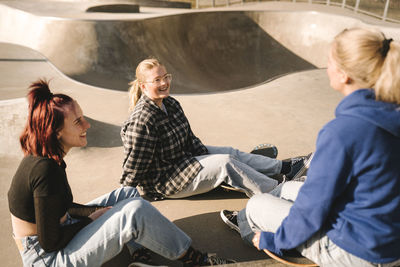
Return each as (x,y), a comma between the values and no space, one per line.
(387,87)
(135,92)
(371,60)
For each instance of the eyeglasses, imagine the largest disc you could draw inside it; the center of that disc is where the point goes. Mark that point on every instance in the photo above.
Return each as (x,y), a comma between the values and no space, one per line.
(166,78)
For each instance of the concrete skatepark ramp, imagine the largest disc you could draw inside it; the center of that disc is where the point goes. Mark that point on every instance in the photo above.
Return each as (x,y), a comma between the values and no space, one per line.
(206,52)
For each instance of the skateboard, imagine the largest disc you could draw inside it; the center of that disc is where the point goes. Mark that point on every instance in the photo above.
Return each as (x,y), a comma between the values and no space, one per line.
(290,262)
(228,187)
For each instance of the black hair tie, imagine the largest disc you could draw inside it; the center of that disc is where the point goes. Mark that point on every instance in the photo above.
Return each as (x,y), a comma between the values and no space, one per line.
(385,46)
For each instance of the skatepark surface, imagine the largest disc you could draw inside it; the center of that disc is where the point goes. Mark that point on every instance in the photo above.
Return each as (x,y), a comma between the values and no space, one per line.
(244,75)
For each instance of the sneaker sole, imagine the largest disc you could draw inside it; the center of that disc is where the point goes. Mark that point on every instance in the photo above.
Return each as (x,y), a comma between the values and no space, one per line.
(227,222)
(304,168)
(267,150)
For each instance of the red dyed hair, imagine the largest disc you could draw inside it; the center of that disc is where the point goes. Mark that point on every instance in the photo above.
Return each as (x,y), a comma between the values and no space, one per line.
(45,119)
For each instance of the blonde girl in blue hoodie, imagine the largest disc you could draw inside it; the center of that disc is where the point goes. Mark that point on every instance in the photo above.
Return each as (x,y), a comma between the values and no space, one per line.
(347,213)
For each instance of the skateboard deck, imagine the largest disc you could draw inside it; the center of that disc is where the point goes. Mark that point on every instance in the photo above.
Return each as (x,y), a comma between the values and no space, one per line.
(228,187)
(298,261)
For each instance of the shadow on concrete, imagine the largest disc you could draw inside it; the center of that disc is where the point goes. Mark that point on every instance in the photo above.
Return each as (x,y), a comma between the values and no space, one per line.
(205,52)
(216,194)
(210,233)
(115,8)
(102,134)
(156,3)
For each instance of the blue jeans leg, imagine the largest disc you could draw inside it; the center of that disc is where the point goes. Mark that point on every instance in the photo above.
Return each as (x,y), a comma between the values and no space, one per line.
(130,219)
(110,199)
(265,165)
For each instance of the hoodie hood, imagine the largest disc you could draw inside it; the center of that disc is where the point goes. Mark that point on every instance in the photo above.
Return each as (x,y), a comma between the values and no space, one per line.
(362,104)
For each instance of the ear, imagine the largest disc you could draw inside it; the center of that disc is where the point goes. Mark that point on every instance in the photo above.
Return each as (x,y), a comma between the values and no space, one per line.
(59,135)
(142,86)
(345,79)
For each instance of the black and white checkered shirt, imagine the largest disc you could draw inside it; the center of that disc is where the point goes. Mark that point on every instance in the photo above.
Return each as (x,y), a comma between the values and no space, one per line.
(159,148)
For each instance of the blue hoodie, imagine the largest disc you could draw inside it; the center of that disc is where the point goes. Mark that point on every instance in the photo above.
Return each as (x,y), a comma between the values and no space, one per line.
(352,191)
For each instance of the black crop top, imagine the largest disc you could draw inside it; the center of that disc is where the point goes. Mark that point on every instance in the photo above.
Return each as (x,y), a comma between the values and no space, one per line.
(40,193)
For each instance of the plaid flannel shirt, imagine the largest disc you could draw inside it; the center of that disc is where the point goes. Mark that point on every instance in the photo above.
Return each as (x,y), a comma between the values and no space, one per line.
(159,148)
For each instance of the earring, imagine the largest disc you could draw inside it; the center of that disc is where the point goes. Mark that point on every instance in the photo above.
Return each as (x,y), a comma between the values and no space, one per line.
(348,80)
(345,79)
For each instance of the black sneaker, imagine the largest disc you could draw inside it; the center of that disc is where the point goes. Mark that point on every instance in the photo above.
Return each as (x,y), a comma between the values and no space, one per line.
(266,150)
(213,259)
(298,167)
(142,258)
(302,173)
(230,218)
(208,259)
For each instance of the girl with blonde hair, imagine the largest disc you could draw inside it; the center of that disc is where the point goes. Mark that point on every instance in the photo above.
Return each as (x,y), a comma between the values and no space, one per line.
(165,158)
(347,211)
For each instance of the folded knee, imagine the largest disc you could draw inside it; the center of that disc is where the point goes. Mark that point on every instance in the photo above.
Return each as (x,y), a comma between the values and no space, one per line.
(140,203)
(227,159)
(257,201)
(129,192)
(134,204)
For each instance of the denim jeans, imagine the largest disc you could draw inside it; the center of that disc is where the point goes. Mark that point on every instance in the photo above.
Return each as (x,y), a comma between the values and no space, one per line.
(265,212)
(239,169)
(132,221)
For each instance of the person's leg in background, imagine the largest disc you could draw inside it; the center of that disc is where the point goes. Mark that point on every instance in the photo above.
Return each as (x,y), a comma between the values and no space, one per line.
(219,168)
(265,165)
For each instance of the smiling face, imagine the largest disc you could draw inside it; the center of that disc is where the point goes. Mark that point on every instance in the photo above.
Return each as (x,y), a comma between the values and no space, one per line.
(73,134)
(156,84)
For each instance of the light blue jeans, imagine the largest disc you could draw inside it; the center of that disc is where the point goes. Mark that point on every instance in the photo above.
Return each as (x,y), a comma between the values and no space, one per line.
(246,171)
(265,212)
(132,221)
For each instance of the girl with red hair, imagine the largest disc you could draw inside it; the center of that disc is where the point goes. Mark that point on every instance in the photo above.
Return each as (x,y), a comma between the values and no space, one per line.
(52,230)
